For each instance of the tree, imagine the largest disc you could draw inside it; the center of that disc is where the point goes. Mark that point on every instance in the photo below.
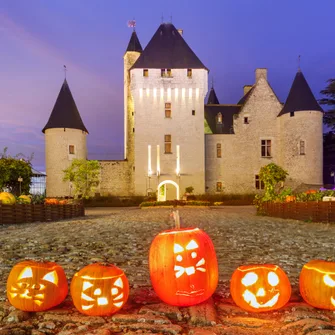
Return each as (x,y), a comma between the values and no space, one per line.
(329,116)
(85,176)
(11,168)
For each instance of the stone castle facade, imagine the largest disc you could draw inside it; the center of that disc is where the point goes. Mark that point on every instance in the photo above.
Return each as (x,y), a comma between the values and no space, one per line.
(173,140)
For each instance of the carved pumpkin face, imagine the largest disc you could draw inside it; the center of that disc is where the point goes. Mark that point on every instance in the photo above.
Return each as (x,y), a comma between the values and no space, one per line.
(183,266)
(99,289)
(317,284)
(260,288)
(36,286)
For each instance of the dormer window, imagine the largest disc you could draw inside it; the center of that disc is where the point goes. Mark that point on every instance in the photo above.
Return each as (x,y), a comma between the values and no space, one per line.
(218,118)
(166,73)
(189,73)
(145,73)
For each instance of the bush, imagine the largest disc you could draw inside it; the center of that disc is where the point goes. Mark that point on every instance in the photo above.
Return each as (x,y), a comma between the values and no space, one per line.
(174,203)
(113,201)
(227,199)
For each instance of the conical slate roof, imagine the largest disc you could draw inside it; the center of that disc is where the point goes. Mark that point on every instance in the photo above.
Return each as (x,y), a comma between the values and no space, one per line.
(134,43)
(212,98)
(65,113)
(168,50)
(300,97)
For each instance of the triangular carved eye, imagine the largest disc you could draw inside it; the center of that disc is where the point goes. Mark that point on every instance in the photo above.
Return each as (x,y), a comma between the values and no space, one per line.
(177,248)
(118,283)
(328,281)
(192,245)
(26,273)
(51,277)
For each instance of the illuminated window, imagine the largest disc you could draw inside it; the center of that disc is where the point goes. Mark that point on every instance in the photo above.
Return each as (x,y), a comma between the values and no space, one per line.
(162,72)
(167,144)
(145,73)
(302,148)
(259,184)
(219,186)
(168,109)
(266,148)
(219,118)
(189,73)
(218,150)
(71,149)
(167,73)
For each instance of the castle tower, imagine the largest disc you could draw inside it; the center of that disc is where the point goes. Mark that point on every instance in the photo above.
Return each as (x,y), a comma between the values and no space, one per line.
(301,132)
(168,86)
(132,53)
(212,98)
(65,139)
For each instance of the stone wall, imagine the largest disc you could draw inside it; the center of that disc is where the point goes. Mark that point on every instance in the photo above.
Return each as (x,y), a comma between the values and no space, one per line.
(58,158)
(187,130)
(115,178)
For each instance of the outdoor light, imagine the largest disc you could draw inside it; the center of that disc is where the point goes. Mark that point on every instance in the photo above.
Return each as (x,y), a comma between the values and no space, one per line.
(20,180)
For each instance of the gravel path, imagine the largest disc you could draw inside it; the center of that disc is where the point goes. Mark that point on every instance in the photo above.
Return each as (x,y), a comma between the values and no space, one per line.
(123,237)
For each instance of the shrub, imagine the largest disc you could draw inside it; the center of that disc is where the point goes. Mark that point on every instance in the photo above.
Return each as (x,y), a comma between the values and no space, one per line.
(174,203)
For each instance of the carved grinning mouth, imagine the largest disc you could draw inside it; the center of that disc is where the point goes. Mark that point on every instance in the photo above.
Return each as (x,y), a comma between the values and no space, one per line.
(251,299)
(191,293)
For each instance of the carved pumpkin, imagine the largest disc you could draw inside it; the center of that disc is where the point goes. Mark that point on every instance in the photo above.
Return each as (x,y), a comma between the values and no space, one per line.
(36,286)
(317,284)
(99,289)
(183,266)
(260,288)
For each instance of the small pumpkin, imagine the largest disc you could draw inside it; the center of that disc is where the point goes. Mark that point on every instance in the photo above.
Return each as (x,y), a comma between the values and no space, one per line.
(183,266)
(317,284)
(62,202)
(260,288)
(51,201)
(311,192)
(99,289)
(26,199)
(7,198)
(290,198)
(36,286)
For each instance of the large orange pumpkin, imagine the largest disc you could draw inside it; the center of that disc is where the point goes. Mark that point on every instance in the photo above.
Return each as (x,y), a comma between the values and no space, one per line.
(260,288)
(99,289)
(36,286)
(317,284)
(183,266)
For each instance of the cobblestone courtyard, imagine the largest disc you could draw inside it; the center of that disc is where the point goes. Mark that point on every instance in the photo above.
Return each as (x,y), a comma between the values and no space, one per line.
(123,237)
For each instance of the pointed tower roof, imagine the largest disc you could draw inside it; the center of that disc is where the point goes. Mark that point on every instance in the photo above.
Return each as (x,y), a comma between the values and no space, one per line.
(168,50)
(212,98)
(134,43)
(300,97)
(65,113)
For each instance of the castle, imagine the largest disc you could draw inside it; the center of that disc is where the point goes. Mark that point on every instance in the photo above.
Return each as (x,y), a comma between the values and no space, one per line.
(173,140)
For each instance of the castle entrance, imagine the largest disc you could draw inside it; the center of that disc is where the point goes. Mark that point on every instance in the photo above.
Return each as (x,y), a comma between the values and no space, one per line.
(168,190)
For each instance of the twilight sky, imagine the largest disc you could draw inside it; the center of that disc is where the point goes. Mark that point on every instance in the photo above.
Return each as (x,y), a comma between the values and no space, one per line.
(231,37)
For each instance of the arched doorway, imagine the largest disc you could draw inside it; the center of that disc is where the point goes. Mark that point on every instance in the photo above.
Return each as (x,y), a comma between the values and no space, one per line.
(168,190)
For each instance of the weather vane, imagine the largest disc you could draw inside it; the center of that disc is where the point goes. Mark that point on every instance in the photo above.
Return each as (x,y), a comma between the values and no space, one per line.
(299,63)
(132,24)
(65,69)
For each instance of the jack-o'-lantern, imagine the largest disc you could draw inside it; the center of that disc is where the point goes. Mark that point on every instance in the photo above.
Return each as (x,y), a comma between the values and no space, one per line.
(99,289)
(183,266)
(36,286)
(260,288)
(317,284)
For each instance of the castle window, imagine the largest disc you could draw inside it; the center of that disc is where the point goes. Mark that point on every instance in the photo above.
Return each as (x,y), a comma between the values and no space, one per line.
(166,73)
(259,184)
(71,149)
(291,114)
(189,73)
(219,186)
(302,148)
(246,120)
(145,73)
(266,148)
(193,111)
(219,118)
(167,144)
(168,109)
(218,150)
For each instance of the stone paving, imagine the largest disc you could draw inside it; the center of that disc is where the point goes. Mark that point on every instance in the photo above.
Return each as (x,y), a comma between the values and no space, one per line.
(123,237)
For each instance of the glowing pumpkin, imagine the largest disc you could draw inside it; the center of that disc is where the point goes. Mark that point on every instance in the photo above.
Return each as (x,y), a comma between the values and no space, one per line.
(99,289)
(317,284)
(183,266)
(260,288)
(36,286)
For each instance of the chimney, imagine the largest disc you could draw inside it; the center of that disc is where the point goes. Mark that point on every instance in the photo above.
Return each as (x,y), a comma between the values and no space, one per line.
(262,72)
(246,89)
(180,31)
